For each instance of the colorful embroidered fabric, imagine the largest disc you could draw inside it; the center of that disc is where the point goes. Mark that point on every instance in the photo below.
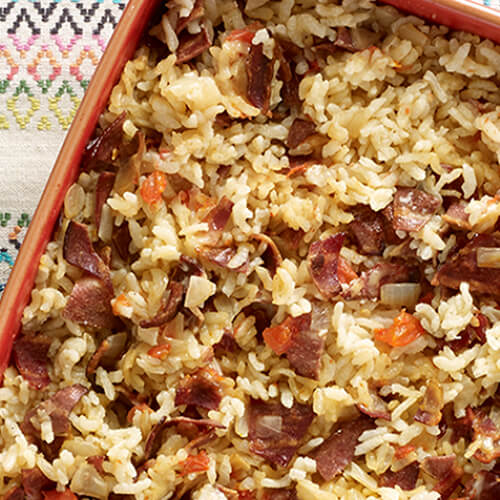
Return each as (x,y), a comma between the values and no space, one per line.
(48,53)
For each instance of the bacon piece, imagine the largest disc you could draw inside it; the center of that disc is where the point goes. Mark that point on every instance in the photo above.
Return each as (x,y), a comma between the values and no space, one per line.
(170,305)
(457,217)
(103,188)
(486,434)
(108,353)
(78,251)
(323,260)
(197,12)
(90,304)
(121,240)
(102,148)
(34,483)
(299,131)
(97,461)
(57,407)
(259,71)
(334,454)
(15,493)
(367,229)
(30,356)
(227,343)
(285,51)
(485,485)
(272,256)
(405,478)
(275,432)
(281,494)
(263,313)
(191,46)
(446,470)
(376,408)
(201,389)
(217,219)
(380,274)
(153,441)
(67,494)
(413,208)
(429,412)
(463,267)
(222,256)
(344,39)
(302,346)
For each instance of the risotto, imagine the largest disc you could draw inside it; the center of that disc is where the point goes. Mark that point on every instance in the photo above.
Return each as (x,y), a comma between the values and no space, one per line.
(277,275)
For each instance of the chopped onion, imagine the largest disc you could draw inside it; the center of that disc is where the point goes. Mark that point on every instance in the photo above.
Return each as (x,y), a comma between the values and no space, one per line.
(269,426)
(488,257)
(400,294)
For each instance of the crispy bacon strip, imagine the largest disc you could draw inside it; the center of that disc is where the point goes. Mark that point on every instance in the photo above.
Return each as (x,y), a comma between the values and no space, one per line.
(57,407)
(102,148)
(334,454)
(90,304)
(78,251)
(191,46)
(367,229)
(303,346)
(446,470)
(34,483)
(457,217)
(484,485)
(405,478)
(272,256)
(463,267)
(153,441)
(103,187)
(323,260)
(259,76)
(197,12)
(30,356)
(275,432)
(299,131)
(202,389)
(380,274)
(413,208)
(169,307)
(486,434)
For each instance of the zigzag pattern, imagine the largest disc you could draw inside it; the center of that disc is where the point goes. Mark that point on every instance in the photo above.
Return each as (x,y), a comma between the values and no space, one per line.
(48,53)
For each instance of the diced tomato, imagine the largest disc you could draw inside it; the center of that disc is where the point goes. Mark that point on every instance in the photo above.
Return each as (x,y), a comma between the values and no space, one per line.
(242,35)
(67,494)
(403,451)
(195,463)
(142,407)
(344,271)
(279,337)
(246,495)
(120,301)
(153,187)
(159,351)
(405,329)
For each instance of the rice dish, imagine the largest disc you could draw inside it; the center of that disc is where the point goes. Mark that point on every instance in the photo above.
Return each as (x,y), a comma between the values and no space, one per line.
(277,275)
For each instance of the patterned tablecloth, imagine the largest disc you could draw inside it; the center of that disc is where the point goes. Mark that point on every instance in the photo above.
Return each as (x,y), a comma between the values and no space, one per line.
(48,53)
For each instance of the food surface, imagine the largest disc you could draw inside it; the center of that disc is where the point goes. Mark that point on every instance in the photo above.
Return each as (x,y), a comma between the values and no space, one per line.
(277,275)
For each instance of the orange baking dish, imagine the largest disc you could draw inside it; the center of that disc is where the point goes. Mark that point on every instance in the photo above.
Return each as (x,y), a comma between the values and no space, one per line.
(458,14)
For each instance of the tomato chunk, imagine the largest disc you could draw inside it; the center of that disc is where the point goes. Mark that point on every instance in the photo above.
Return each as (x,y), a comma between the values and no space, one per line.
(344,271)
(67,494)
(153,186)
(159,351)
(279,337)
(195,463)
(405,329)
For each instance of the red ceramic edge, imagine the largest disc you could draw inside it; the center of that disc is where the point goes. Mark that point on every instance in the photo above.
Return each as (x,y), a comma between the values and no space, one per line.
(457,14)
(18,290)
